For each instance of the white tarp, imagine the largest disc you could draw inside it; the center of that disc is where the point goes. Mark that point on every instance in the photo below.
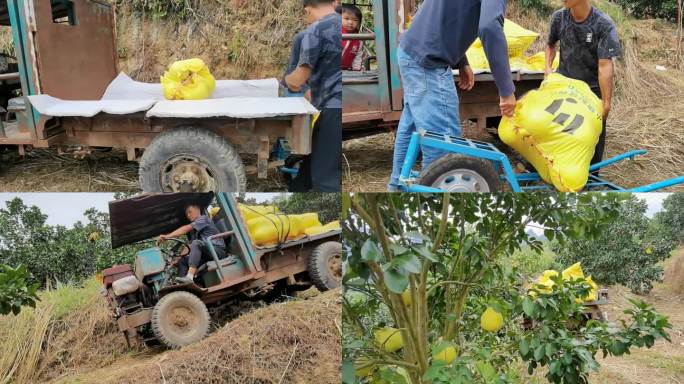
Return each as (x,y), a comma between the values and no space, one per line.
(241,108)
(233,98)
(125,88)
(52,106)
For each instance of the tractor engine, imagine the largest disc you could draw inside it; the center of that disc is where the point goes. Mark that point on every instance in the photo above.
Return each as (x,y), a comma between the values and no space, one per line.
(122,289)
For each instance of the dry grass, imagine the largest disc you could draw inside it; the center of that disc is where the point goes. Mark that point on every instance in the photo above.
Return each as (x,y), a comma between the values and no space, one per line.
(238,39)
(70,330)
(647,108)
(45,170)
(291,342)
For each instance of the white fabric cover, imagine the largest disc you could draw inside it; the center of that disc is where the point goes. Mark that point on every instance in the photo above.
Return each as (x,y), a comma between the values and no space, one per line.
(52,106)
(123,87)
(242,108)
(232,98)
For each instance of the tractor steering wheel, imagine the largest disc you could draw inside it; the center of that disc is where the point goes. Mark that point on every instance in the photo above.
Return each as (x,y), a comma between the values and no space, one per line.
(173,251)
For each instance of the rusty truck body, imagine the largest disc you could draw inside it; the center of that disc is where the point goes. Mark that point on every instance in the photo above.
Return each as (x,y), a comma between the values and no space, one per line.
(67,49)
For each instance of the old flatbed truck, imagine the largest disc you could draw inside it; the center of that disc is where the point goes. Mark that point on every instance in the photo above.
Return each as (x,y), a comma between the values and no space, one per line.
(67,49)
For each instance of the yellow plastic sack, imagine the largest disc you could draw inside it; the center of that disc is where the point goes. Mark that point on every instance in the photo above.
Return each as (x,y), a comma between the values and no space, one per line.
(593,294)
(573,272)
(272,228)
(519,40)
(250,212)
(308,220)
(556,128)
(317,230)
(188,80)
(537,62)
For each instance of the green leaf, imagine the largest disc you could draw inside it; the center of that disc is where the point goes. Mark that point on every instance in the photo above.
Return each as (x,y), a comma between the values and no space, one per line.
(397,249)
(348,372)
(486,370)
(409,263)
(370,252)
(539,353)
(396,281)
(528,307)
(426,253)
(524,347)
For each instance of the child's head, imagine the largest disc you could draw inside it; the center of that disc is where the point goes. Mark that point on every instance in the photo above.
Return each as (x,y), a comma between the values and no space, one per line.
(351,17)
(315,9)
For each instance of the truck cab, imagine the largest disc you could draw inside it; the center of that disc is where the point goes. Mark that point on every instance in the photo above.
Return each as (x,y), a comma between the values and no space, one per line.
(147,302)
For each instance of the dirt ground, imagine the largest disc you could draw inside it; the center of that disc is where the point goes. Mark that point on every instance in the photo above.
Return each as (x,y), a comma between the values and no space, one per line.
(45,170)
(662,364)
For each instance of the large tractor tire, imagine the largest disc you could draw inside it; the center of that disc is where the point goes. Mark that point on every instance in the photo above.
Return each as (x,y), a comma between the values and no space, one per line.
(179,319)
(325,266)
(457,173)
(188,159)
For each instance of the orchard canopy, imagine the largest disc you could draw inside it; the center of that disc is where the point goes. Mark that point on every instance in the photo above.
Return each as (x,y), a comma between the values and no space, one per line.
(431,295)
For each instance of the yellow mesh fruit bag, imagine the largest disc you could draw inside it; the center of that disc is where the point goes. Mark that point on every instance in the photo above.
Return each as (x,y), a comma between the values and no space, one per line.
(188,80)
(556,128)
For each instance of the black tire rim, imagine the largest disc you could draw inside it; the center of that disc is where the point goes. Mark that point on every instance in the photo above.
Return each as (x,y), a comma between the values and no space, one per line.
(187,173)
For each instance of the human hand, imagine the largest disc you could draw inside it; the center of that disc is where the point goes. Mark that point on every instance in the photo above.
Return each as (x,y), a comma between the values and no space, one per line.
(606,110)
(161,239)
(466,78)
(547,72)
(507,105)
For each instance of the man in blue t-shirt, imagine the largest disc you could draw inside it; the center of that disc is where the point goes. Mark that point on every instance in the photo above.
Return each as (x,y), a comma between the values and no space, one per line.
(319,65)
(199,230)
(437,41)
(588,44)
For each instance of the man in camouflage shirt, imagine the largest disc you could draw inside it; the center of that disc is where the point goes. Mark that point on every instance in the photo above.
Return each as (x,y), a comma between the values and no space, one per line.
(588,44)
(319,64)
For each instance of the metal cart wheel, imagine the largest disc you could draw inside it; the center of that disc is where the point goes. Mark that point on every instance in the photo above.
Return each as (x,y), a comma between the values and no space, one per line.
(457,173)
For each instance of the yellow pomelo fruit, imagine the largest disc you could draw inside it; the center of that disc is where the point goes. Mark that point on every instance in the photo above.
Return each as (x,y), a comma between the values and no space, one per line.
(446,355)
(365,371)
(406,297)
(649,250)
(491,320)
(389,339)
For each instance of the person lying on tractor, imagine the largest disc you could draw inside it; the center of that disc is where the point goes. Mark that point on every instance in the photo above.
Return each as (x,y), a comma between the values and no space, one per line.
(439,36)
(201,227)
(588,44)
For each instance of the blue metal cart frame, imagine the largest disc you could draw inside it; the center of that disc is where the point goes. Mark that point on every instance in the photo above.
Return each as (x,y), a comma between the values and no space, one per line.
(519,182)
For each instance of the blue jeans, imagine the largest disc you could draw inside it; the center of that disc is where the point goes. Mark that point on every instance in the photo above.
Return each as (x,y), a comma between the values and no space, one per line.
(430,103)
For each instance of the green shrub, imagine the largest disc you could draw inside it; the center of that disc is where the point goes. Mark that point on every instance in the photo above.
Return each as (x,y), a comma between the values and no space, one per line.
(15,290)
(664,9)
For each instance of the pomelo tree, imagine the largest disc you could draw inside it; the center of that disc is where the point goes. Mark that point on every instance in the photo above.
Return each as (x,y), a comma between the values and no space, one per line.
(430,295)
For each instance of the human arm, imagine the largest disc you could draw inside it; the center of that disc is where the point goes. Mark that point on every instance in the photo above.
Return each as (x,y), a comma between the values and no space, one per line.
(357,64)
(550,56)
(184,230)
(496,49)
(298,78)
(606,78)
(608,49)
(551,42)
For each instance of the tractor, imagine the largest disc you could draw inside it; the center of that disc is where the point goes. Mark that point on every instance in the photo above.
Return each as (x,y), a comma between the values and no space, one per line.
(148,304)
